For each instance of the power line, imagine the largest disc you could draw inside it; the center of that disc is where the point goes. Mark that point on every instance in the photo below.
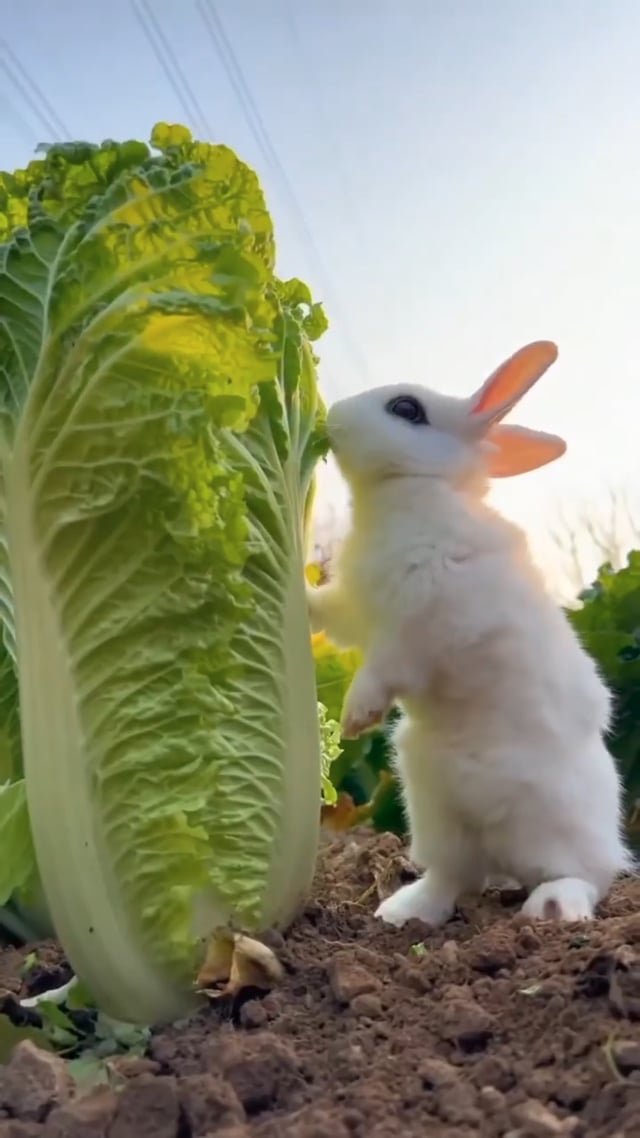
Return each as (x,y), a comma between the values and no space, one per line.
(22,126)
(170,64)
(32,94)
(224,49)
(308,76)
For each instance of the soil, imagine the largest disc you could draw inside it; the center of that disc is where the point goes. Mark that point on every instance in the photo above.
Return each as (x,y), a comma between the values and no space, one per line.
(489,1027)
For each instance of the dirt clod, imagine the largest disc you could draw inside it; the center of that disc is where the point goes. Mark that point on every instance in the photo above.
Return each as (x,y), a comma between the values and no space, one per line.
(33,1082)
(148,1107)
(348,979)
(253,1014)
(537,1121)
(457,1104)
(492,952)
(208,1103)
(366,1004)
(467,1024)
(450,953)
(87,1117)
(262,1069)
(130,1066)
(493,1026)
(626,1055)
(15,1128)
(437,1073)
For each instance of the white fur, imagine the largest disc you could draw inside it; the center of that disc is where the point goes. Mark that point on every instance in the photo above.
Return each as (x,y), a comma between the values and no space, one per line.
(501,752)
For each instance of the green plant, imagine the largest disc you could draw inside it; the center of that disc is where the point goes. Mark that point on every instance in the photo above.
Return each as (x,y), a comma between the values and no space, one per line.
(608,623)
(362,772)
(159,426)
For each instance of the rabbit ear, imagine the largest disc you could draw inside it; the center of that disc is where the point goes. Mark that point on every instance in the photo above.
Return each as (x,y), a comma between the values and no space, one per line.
(511,381)
(516,450)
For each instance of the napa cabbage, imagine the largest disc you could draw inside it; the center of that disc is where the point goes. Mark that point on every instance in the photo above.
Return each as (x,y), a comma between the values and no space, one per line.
(160,421)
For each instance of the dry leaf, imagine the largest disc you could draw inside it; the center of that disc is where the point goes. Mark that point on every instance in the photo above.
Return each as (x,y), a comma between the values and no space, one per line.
(343,815)
(216,968)
(234,962)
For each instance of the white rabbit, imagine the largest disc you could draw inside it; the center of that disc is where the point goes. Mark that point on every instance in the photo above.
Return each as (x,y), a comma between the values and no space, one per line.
(500,751)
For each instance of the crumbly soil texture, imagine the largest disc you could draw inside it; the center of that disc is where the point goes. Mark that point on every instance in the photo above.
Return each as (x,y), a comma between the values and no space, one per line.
(491,1026)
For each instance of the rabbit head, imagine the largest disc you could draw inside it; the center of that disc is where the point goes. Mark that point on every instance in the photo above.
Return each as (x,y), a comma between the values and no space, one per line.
(404,430)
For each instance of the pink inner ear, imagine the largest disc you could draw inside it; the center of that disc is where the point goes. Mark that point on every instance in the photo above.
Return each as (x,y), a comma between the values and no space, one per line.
(520,450)
(513,378)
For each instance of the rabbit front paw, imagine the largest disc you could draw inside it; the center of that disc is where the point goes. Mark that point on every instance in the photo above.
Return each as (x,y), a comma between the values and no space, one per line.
(430,900)
(366,705)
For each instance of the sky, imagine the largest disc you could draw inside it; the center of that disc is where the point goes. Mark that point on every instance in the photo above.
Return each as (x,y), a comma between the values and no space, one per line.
(453,178)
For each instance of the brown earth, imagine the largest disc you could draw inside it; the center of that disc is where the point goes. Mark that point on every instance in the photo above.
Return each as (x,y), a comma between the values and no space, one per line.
(488,1027)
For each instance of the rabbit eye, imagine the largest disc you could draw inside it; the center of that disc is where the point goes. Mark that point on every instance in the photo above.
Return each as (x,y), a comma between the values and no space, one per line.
(409,408)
